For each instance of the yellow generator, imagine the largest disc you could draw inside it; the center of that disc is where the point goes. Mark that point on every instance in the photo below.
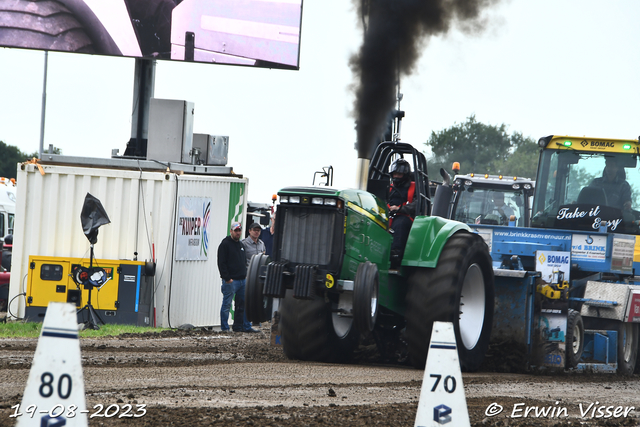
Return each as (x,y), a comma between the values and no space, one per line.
(126,298)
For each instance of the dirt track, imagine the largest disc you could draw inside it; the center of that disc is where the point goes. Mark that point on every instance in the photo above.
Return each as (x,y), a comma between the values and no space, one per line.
(201,378)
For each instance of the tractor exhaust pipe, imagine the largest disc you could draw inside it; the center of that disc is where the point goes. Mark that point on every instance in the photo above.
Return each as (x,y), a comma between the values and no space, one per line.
(362,172)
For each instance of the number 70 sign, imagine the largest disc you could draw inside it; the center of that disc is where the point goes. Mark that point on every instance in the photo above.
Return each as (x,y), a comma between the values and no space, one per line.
(442,399)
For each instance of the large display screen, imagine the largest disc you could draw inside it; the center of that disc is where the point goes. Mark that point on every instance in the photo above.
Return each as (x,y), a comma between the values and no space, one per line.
(263,33)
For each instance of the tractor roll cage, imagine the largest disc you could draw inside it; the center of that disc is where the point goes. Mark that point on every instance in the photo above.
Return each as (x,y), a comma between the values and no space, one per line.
(378,178)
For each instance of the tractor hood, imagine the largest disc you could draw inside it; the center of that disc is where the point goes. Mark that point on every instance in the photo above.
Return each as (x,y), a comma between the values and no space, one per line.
(361,201)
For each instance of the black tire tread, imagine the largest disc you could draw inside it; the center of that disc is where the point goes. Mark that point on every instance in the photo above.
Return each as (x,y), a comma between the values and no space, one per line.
(254,300)
(366,278)
(308,334)
(46,25)
(303,324)
(433,296)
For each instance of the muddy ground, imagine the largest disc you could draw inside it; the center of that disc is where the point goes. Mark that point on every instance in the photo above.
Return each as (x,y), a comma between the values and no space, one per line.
(203,378)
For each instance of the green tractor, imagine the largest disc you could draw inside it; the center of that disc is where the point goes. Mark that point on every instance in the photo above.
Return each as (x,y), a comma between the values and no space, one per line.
(331,276)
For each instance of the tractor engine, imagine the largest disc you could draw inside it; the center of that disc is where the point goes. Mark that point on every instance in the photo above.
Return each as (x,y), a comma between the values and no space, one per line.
(309,243)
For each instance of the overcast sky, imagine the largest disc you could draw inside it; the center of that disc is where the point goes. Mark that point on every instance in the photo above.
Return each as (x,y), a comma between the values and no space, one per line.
(541,67)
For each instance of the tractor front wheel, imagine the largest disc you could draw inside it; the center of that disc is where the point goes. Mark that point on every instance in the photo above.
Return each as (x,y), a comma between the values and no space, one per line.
(365,297)
(459,290)
(257,306)
(312,331)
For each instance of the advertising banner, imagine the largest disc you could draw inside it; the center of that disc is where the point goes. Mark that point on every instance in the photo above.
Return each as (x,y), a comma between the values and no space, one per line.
(192,232)
(590,247)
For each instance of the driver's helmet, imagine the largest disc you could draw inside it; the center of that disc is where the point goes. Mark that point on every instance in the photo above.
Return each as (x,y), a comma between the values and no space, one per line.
(400,166)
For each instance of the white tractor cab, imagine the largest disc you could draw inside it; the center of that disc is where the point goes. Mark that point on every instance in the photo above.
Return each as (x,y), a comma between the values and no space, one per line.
(7,205)
(485,199)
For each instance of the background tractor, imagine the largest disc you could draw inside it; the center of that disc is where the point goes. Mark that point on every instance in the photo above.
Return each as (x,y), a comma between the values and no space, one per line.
(469,198)
(566,288)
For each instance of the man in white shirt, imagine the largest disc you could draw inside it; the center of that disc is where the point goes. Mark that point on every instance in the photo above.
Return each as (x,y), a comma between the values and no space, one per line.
(253,244)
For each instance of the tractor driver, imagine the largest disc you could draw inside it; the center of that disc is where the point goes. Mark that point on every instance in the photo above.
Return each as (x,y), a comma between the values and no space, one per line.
(615,185)
(500,208)
(402,208)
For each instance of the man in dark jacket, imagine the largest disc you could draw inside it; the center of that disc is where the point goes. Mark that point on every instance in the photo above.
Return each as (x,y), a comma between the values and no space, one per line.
(233,271)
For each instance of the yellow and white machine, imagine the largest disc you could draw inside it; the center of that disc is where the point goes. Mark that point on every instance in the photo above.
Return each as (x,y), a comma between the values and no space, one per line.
(124,299)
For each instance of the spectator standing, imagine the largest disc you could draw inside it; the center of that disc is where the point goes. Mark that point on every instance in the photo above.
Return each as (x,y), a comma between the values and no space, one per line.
(233,271)
(253,244)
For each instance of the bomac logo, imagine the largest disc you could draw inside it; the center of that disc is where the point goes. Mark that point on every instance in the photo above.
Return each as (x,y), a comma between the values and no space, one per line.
(602,144)
(597,144)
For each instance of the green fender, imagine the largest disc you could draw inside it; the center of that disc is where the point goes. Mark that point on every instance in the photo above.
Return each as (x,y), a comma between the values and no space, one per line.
(427,237)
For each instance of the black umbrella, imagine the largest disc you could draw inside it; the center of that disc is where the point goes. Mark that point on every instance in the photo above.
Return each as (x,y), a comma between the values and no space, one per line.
(93,216)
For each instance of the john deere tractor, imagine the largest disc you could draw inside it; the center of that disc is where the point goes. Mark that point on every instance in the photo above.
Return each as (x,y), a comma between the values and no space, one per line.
(331,276)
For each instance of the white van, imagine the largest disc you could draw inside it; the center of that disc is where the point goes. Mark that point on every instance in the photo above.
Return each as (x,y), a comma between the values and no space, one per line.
(7,205)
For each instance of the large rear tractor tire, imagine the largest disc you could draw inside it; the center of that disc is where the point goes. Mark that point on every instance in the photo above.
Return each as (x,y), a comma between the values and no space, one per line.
(310,331)
(459,290)
(627,348)
(45,24)
(574,338)
(257,306)
(365,297)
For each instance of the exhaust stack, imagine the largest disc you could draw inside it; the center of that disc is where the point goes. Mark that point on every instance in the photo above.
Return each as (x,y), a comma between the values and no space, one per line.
(362,170)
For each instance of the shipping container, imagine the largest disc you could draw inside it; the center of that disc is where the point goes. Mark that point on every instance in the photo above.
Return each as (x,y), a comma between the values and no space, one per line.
(175,215)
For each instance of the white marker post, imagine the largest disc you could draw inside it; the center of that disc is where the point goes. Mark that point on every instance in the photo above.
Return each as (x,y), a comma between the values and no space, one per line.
(54,395)
(442,399)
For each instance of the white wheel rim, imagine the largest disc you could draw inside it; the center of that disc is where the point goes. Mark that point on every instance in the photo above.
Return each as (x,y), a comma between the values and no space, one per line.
(472,307)
(374,302)
(628,341)
(341,324)
(576,339)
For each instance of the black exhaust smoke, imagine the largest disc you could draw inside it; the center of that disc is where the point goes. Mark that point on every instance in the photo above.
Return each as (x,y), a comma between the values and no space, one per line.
(395,33)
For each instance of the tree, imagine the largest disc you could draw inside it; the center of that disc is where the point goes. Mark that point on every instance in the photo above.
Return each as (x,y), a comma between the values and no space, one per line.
(523,161)
(482,148)
(10,156)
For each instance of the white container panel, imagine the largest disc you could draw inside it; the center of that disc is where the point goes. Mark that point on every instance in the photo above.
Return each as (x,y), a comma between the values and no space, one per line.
(196,298)
(142,209)
(48,222)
